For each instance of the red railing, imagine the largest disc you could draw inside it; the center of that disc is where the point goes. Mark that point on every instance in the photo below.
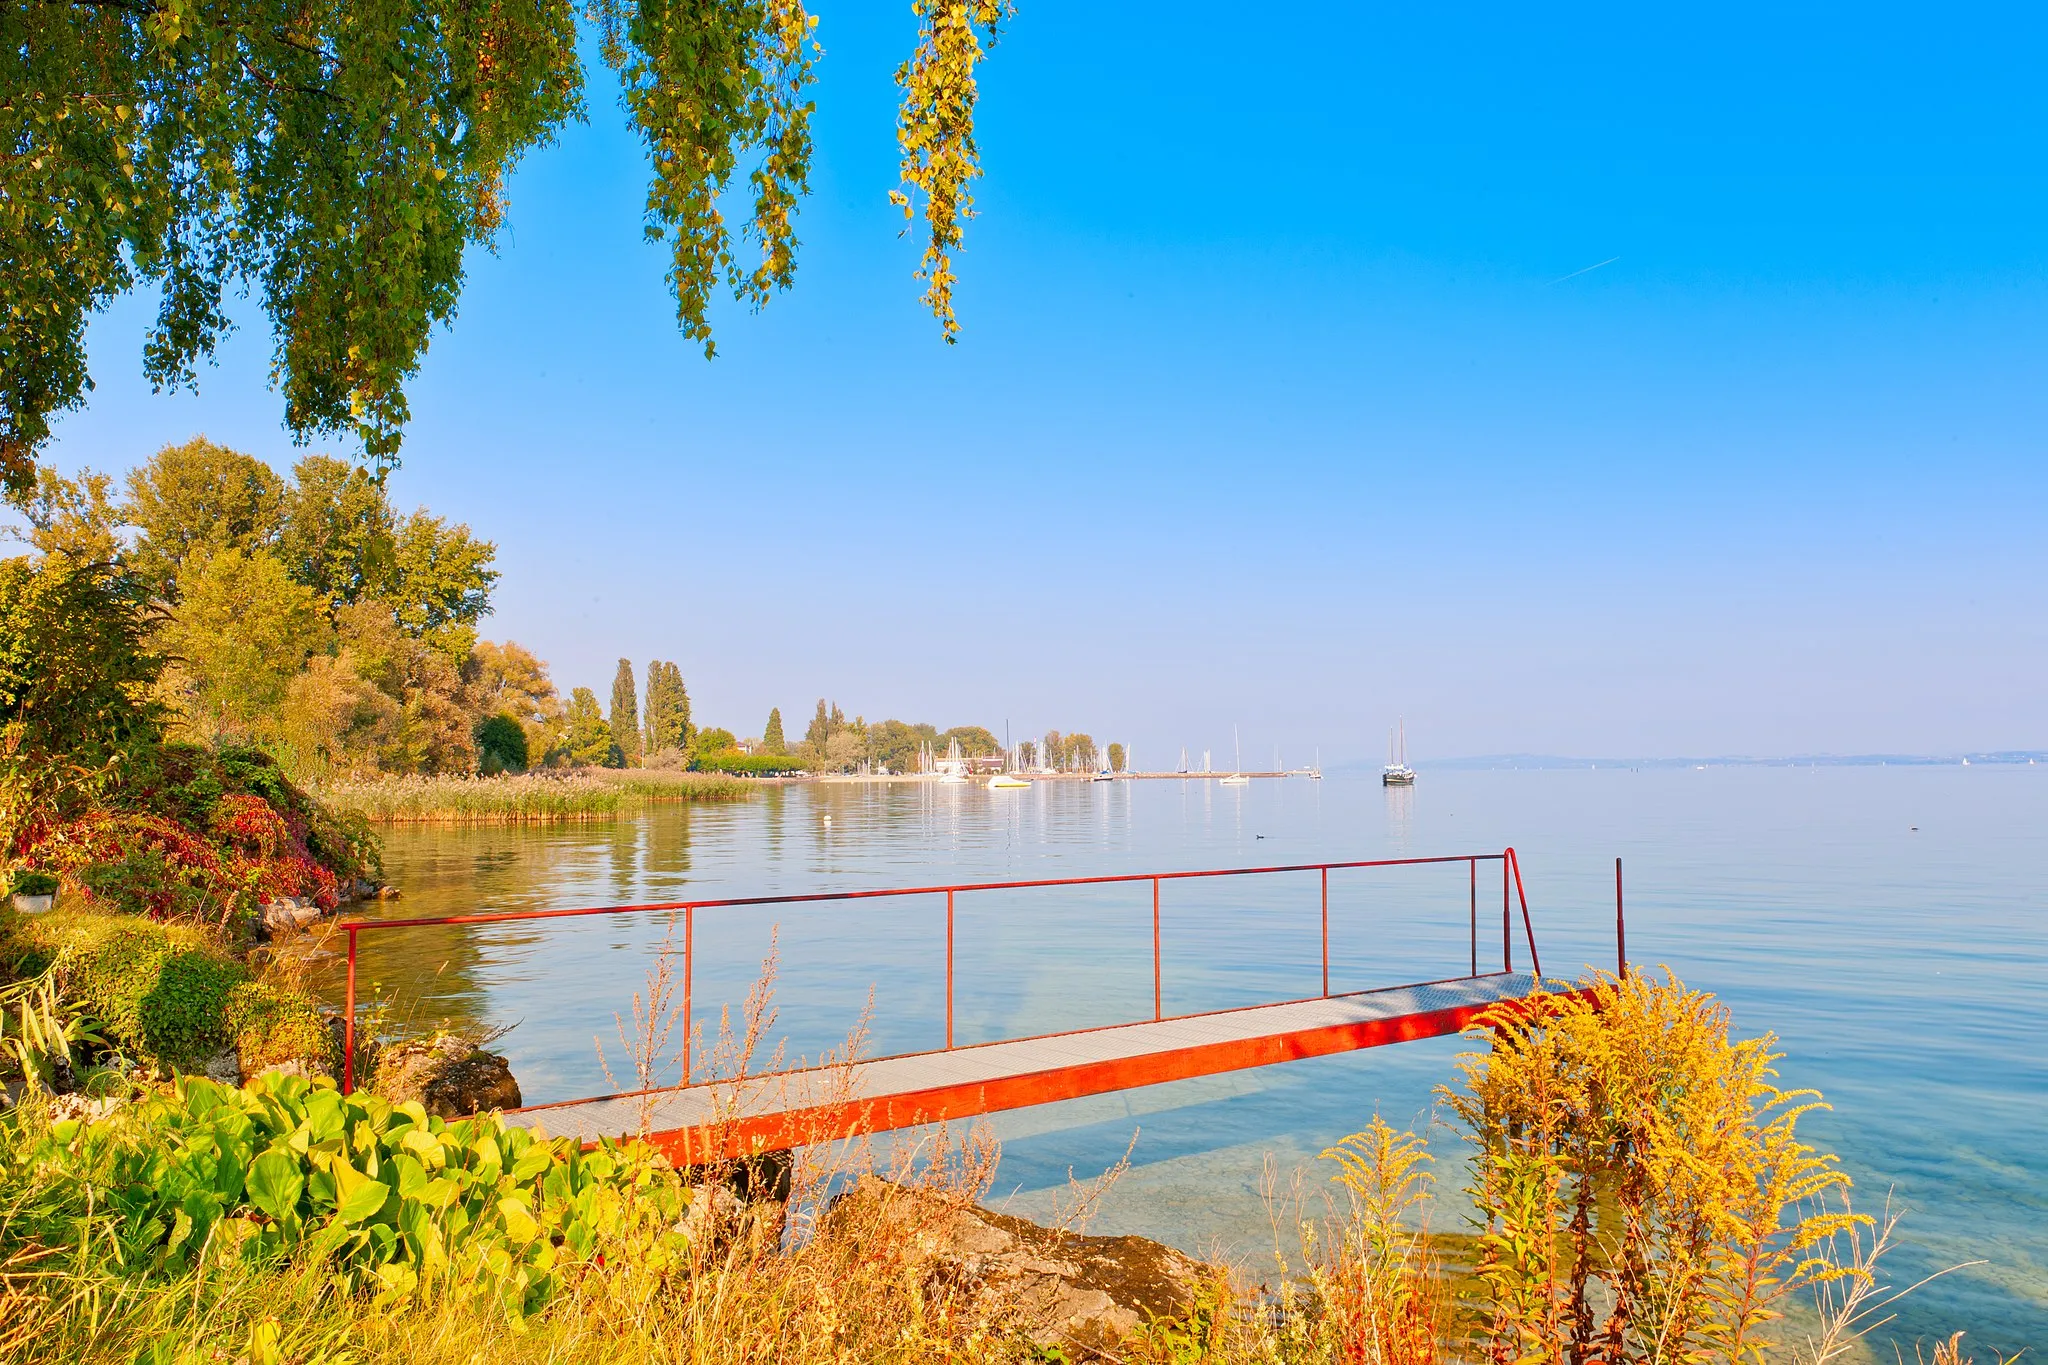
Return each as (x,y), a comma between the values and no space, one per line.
(1510,877)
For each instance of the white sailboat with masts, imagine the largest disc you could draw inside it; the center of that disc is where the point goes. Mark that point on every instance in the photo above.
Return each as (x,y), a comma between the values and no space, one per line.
(1237,777)
(1102,771)
(1008,779)
(1397,773)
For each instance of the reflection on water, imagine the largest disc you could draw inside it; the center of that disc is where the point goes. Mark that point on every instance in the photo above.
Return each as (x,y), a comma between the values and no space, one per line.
(1903,969)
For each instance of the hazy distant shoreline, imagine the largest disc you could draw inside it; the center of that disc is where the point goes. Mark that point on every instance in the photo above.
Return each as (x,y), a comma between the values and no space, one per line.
(1496,761)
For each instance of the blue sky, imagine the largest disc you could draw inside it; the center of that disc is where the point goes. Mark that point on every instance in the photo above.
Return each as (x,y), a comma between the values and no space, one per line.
(1279,401)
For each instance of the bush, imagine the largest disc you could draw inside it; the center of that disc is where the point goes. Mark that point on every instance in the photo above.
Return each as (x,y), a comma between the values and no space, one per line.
(1639,1177)
(501,746)
(167,994)
(749,765)
(32,884)
(191,833)
(272,1027)
(75,679)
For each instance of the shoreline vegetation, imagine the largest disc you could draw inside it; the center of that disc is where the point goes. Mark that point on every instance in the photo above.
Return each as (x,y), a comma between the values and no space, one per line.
(530,798)
(1640,1195)
(595,794)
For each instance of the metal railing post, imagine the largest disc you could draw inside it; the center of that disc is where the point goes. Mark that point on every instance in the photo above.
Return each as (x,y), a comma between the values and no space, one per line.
(689,983)
(348,1022)
(1528,928)
(1158,991)
(1507,942)
(949,968)
(1473,865)
(1620,928)
(1326,933)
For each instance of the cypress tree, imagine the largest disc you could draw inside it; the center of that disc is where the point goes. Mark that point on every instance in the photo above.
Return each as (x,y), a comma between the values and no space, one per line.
(771,734)
(668,709)
(625,717)
(821,728)
(654,712)
(686,730)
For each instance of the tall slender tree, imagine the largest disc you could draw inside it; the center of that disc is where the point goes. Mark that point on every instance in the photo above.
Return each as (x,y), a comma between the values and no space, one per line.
(771,734)
(625,717)
(821,728)
(668,709)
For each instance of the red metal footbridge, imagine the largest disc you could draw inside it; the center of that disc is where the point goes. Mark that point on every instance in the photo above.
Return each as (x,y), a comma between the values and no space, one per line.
(725,1117)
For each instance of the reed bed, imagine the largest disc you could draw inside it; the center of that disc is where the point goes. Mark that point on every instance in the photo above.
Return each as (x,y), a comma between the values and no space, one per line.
(528,799)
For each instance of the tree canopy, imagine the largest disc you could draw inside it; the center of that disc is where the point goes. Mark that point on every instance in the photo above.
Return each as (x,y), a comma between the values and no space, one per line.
(301,615)
(338,158)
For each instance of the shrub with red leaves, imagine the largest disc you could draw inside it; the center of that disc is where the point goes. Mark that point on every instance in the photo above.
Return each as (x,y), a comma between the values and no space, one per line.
(199,848)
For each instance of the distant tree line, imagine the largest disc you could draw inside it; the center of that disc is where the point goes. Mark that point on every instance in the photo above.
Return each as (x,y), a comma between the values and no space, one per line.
(306,616)
(657,732)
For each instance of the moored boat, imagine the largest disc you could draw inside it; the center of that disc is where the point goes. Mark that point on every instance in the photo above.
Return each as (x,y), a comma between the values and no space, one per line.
(1397,773)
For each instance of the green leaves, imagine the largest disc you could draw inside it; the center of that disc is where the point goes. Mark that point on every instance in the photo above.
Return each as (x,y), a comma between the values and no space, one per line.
(304,150)
(275,1184)
(338,158)
(75,678)
(394,1202)
(358,1196)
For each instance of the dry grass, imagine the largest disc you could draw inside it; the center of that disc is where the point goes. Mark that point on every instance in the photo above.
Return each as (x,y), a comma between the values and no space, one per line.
(529,799)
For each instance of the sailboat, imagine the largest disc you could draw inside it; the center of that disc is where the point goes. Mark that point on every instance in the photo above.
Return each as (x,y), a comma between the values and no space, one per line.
(1237,777)
(953,767)
(1008,779)
(1397,773)
(1102,772)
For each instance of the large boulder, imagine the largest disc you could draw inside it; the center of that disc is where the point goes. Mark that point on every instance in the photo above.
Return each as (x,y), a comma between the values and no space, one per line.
(1079,1294)
(448,1074)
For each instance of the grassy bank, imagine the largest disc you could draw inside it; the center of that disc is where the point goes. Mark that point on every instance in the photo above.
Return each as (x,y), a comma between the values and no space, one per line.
(535,798)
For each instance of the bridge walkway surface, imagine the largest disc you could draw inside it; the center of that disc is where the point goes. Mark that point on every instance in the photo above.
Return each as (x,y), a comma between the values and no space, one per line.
(787,1109)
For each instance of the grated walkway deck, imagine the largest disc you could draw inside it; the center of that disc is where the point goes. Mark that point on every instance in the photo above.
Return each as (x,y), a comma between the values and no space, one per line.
(787,1109)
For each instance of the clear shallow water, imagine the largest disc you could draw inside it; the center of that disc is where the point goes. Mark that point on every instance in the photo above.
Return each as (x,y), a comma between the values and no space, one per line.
(1906,972)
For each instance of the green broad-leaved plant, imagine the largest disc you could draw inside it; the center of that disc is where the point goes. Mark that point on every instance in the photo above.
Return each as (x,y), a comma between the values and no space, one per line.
(394,1203)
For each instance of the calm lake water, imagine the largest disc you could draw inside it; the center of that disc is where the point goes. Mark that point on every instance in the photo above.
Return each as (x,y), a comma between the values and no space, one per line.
(1887,923)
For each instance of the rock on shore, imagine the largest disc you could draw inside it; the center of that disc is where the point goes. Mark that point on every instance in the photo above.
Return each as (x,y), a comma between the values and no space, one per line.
(451,1076)
(1066,1290)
